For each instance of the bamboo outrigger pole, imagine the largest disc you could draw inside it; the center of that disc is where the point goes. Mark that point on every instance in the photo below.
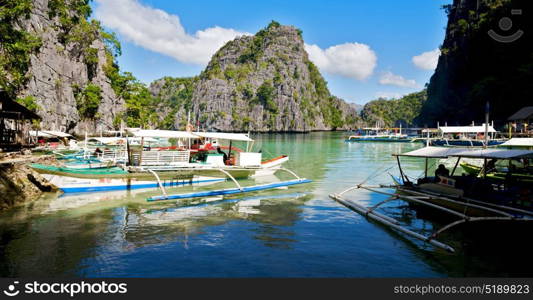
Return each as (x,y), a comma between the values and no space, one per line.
(421,198)
(374,216)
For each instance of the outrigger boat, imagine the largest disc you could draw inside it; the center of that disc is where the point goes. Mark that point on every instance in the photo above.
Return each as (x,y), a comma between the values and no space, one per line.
(463,136)
(187,162)
(379,135)
(518,143)
(469,198)
(231,191)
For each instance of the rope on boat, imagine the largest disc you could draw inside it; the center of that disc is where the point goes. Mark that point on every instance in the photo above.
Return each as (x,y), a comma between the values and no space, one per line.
(375,174)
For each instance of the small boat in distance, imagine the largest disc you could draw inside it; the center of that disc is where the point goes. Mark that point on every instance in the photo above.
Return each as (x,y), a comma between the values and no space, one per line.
(518,143)
(463,136)
(376,134)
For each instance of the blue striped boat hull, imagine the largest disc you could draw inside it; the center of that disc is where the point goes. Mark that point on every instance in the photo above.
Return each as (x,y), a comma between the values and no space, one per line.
(229,191)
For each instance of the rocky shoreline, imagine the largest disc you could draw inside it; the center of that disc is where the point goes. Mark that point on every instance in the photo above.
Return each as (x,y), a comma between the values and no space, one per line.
(20,184)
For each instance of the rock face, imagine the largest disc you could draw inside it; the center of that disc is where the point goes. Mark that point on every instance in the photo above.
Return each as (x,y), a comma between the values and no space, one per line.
(20,184)
(58,70)
(475,68)
(260,83)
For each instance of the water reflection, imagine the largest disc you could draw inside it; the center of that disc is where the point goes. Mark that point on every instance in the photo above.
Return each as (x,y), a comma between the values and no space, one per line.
(290,232)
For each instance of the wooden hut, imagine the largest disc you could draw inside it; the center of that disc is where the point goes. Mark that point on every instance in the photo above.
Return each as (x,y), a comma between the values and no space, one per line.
(521,122)
(15,124)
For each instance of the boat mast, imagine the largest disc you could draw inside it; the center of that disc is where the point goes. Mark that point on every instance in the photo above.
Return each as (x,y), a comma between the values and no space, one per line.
(229,152)
(188,126)
(487,108)
(427,140)
(248,143)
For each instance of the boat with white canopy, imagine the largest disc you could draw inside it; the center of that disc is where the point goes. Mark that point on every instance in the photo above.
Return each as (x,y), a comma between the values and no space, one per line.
(193,157)
(468,198)
(376,134)
(519,143)
(465,136)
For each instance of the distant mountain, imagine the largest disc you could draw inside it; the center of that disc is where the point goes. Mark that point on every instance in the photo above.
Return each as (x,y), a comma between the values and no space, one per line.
(262,83)
(475,68)
(358,107)
(394,112)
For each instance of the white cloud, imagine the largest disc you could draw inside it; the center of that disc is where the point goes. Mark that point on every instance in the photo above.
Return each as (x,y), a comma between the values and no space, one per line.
(161,32)
(351,60)
(388,78)
(427,60)
(389,95)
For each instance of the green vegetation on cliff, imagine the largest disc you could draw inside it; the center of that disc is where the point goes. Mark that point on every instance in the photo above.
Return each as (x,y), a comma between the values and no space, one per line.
(88,100)
(29,102)
(16,45)
(265,96)
(475,68)
(268,85)
(391,113)
(175,97)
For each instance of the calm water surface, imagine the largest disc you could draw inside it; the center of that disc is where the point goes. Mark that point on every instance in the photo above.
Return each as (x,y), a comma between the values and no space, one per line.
(296,232)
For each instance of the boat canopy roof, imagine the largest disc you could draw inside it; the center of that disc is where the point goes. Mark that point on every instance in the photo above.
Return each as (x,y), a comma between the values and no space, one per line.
(224,136)
(164,134)
(494,153)
(465,129)
(40,134)
(441,152)
(119,140)
(190,135)
(518,142)
(49,134)
(432,152)
(108,140)
(59,133)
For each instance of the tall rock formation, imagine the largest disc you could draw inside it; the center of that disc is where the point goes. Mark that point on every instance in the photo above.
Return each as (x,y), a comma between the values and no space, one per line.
(65,76)
(475,68)
(261,83)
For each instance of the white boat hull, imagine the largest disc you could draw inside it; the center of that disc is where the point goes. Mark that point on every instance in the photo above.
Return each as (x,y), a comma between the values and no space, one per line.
(82,185)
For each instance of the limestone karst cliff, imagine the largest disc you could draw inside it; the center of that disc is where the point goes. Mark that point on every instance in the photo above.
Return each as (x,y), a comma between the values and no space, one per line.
(59,62)
(261,83)
(475,68)
(55,61)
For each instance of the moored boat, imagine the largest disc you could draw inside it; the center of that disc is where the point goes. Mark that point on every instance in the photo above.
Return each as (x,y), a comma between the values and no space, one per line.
(69,184)
(192,157)
(464,136)
(468,198)
(376,134)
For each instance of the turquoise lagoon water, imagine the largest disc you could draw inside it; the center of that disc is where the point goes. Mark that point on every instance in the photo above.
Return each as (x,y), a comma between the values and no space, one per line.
(296,232)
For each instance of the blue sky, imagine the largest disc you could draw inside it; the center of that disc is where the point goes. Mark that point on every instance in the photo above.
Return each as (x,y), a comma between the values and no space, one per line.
(393,32)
